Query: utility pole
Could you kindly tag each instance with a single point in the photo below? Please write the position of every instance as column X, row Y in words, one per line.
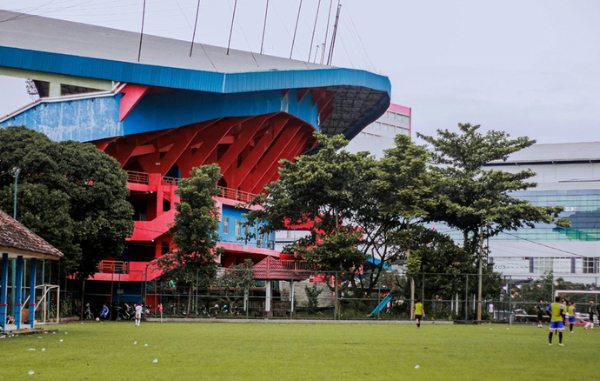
column 16, row 172
column 480, row 271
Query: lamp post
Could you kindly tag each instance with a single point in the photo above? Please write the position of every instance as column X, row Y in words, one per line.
column 16, row 172
column 13, row 284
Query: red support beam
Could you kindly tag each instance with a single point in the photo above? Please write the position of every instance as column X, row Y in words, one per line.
column 293, row 148
column 317, row 94
column 326, row 113
column 273, row 155
column 301, row 94
column 133, row 94
column 178, row 140
column 236, row 177
column 210, row 138
column 325, row 101
column 249, row 129
column 103, row 143
column 124, row 147
column 143, row 150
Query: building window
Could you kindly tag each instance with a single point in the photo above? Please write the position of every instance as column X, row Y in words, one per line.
column 543, row 265
column 238, row 227
column 588, row 265
column 225, row 225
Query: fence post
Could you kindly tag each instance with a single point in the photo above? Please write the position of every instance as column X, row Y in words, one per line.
column 292, row 296
column 112, row 280
column 423, row 289
column 510, row 299
column 466, row 298
column 335, row 298
column 378, row 295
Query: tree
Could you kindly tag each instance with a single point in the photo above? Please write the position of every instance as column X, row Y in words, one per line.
column 405, row 192
column 444, row 266
column 69, row 193
column 195, row 230
column 477, row 201
column 235, row 281
column 355, row 207
column 320, row 191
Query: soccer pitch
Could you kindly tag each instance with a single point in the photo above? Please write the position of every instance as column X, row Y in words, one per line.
column 223, row 351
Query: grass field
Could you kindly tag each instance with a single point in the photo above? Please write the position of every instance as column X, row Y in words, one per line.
column 196, row 351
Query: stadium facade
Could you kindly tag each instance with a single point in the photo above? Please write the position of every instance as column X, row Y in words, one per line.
column 567, row 175
column 167, row 112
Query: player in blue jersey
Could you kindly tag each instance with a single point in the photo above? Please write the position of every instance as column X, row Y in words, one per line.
column 556, row 312
column 104, row 313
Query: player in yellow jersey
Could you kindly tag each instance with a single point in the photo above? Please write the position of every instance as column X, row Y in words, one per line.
column 556, row 312
column 419, row 313
column 572, row 311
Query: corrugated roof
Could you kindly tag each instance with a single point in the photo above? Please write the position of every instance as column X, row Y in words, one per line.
column 55, row 46
column 13, row 235
column 548, row 153
column 58, row 36
column 271, row 269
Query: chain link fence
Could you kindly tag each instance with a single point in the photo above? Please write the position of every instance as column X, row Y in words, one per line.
column 312, row 295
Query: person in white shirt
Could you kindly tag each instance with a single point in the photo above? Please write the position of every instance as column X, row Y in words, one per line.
column 138, row 314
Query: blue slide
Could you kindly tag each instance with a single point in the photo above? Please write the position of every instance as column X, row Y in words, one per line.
column 381, row 305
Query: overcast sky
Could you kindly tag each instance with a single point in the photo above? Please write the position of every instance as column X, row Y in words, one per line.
column 527, row 67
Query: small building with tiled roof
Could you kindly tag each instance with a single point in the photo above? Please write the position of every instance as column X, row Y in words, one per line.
column 19, row 243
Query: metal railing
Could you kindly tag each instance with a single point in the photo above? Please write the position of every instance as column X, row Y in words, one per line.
column 297, row 265
column 229, row 193
column 113, row 267
column 137, row 177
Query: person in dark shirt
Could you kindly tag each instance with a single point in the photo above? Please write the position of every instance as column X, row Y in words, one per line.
column 540, row 313
column 591, row 311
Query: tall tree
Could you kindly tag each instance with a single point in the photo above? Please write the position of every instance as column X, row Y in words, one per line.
column 70, row 193
column 319, row 191
column 195, row 230
column 356, row 208
column 405, row 190
column 477, row 201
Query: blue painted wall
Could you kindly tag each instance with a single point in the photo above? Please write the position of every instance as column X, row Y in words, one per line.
column 81, row 120
column 98, row 118
column 182, row 107
column 236, row 214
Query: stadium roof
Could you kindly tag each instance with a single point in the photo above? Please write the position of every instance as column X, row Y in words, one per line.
column 55, row 46
column 554, row 154
column 51, row 35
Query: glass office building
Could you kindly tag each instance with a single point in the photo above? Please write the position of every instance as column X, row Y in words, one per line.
column 568, row 175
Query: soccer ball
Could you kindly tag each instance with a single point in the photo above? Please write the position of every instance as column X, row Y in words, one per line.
column 97, row 319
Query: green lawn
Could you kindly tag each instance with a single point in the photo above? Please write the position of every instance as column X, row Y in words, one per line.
column 196, row 351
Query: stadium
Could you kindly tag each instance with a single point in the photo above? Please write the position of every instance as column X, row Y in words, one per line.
column 167, row 112
column 160, row 111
